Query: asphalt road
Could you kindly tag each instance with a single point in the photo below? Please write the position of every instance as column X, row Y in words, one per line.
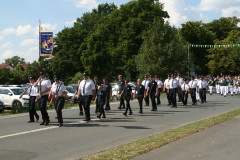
column 20, row 140
column 221, row 142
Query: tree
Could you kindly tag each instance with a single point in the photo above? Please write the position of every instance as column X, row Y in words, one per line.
column 14, row 61
column 196, row 33
column 225, row 60
column 162, row 52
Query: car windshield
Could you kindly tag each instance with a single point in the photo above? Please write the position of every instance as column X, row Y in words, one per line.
column 70, row 90
column 18, row 91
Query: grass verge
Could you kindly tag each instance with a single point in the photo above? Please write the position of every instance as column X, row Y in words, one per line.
column 144, row 145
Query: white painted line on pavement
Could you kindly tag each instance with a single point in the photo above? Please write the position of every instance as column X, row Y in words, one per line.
column 43, row 129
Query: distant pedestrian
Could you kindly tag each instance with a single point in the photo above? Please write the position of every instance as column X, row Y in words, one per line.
column 140, row 90
column 173, row 89
column 120, row 84
column 145, row 84
column 97, row 84
column 127, row 92
column 101, row 98
column 33, row 98
column 160, row 86
column 165, row 89
column 152, row 91
column 107, row 88
column 193, row 87
column 185, row 90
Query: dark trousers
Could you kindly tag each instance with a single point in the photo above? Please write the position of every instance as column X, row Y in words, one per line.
column 202, row 94
column 43, row 108
column 107, row 107
column 154, row 105
column 80, row 104
column 86, row 100
column 184, row 97
column 59, row 104
column 32, row 110
column 140, row 100
column 128, row 107
column 172, row 93
column 168, row 97
column 179, row 94
column 97, row 106
column 146, row 99
column 122, row 102
column 193, row 95
column 158, row 96
column 101, row 112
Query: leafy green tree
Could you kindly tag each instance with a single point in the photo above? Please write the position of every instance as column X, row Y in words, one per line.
column 221, row 27
column 197, row 33
column 6, row 77
column 162, row 51
column 78, row 76
column 14, row 61
column 225, row 59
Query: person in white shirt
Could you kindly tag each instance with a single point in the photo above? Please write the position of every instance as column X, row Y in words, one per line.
column 145, row 84
column 159, row 84
column 33, row 97
column 193, row 88
column 173, row 88
column 87, row 91
column 197, row 93
column 44, row 86
column 185, row 90
column 202, row 89
column 165, row 88
column 58, row 91
column 180, row 82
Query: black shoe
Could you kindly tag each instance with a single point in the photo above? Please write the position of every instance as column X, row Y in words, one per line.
column 30, row 121
column 130, row 113
column 86, row 120
column 103, row 116
column 152, row 110
column 119, row 108
column 47, row 122
column 125, row 114
column 80, row 113
column 59, row 124
column 42, row 123
column 224, row 96
column 98, row 117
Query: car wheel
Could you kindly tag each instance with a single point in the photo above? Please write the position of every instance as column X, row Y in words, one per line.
column 17, row 104
column 114, row 98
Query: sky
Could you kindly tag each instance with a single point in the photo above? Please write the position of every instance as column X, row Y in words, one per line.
column 19, row 19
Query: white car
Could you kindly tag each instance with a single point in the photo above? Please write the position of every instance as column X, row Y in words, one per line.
column 10, row 97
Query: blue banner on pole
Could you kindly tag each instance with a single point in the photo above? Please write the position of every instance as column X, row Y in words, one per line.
column 46, row 43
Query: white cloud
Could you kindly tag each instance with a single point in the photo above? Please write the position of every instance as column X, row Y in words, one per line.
column 70, row 23
column 9, row 31
column 24, row 30
column 7, row 45
column 88, row 4
column 228, row 8
column 7, row 54
column 28, row 29
column 29, row 42
column 1, row 38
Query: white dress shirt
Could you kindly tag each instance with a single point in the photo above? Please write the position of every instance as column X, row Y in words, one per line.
column 173, row 83
column 180, row 80
column 184, row 87
column 45, row 83
column 145, row 83
column 166, row 82
column 193, row 84
column 58, row 89
column 202, row 84
column 86, row 87
column 159, row 83
column 32, row 91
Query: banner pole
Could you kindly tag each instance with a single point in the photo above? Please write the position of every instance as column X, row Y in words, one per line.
column 39, row 59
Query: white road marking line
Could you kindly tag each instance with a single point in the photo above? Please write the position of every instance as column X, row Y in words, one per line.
column 43, row 129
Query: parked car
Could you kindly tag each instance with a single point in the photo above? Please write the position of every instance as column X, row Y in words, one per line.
column 2, row 106
column 10, row 97
column 70, row 93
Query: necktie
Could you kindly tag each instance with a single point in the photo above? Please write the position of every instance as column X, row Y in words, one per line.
column 202, row 85
column 184, row 88
column 84, row 87
column 30, row 91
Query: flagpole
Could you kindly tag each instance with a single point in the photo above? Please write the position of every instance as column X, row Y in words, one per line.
column 39, row 59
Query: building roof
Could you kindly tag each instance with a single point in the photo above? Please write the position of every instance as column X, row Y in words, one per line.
column 5, row 65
